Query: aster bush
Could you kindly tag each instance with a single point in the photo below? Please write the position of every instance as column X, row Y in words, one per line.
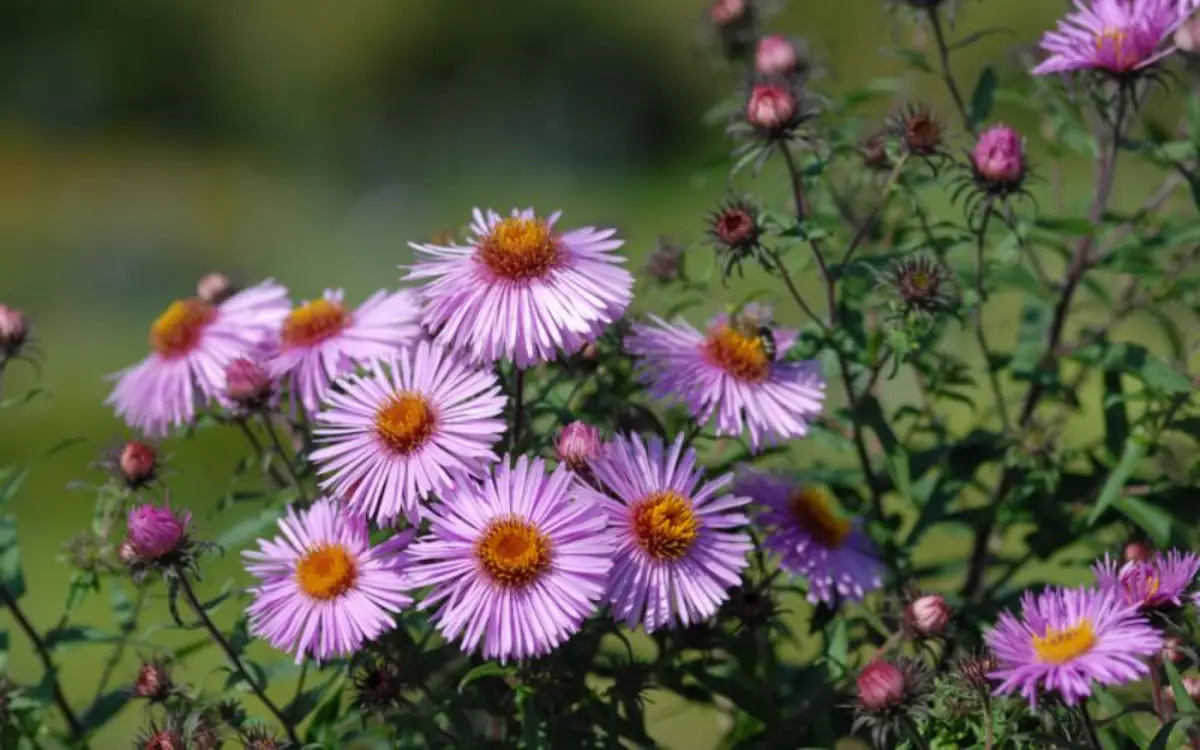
column 932, row 483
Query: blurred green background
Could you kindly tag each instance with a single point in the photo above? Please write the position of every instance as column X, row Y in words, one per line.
column 145, row 143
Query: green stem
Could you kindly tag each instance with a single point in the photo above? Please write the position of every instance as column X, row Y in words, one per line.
column 114, row 659
column 43, row 653
column 1089, row 726
column 518, row 408
column 980, row 334
column 288, row 463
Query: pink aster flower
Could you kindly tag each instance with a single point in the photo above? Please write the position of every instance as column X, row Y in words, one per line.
column 191, row 343
column 1114, row 36
column 1159, row 582
column 324, row 590
column 520, row 290
column 516, row 563
column 1066, row 639
column 812, row 539
column 680, row 542
column 155, row 532
column 734, row 372
column 321, row 340
column 401, row 432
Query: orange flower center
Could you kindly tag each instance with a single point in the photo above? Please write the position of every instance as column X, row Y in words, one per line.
column 519, row 249
column 1114, row 40
column 404, row 422
column 513, row 552
column 742, row 356
column 665, row 525
column 177, row 331
column 1061, row 646
column 326, row 572
column 313, row 322
column 813, row 511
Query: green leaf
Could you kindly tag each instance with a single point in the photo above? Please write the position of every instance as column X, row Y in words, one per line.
column 1162, row 740
column 914, row 58
column 1183, row 702
column 305, row 703
column 1136, row 360
column 23, row 398
column 1131, row 456
column 487, row 669
column 1032, row 330
column 248, row 529
column 895, row 457
column 77, row 634
column 1116, row 420
column 10, row 558
column 12, row 478
column 105, row 707
column 1150, row 518
column 3, row 651
column 984, row 95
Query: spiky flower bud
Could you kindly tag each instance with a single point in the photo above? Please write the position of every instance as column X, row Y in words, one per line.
column 920, row 130
column 260, row 738
column 247, row 385
column 165, row 736
column 577, row 444
column 137, row 464
column 153, row 681
column 921, row 283
column 975, row 669
column 880, row 686
column 772, row 109
column 928, row 615
column 14, row 332
column 998, row 159
column 890, row 694
column 736, row 231
column 157, row 532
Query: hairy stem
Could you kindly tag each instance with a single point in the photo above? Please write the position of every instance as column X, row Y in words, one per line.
column 234, row 660
column 861, row 234
column 518, row 407
column 818, row 254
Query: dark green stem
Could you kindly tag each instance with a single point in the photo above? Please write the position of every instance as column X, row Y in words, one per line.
column 980, row 334
column 288, row 462
column 1089, row 726
column 260, row 452
column 43, row 653
column 518, row 408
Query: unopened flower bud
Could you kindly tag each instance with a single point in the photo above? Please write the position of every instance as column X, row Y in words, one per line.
column 776, row 55
column 726, row 13
column 247, row 384
column 999, row 156
column 928, row 615
column 1187, row 36
column 1138, row 551
column 137, row 464
column 577, row 444
column 1172, row 649
column 215, row 288
column 156, row 532
column 153, row 681
column 1191, row 685
column 771, row 108
column 880, row 686
column 14, row 332
column 165, row 736
column 665, row 263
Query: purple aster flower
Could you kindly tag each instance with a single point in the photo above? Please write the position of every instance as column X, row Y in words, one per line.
column 517, row 562
column 155, row 531
column 812, row 540
column 1118, row 37
column 324, row 589
column 680, row 542
column 191, row 344
column 733, row 372
column 1158, row 582
column 1068, row 638
column 394, row 436
column 321, row 340
column 522, row 291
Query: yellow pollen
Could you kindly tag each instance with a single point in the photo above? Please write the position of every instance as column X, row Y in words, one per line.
column 1115, row 39
column 326, row 572
column 404, row 422
column 736, row 353
column 813, row 511
column 519, row 249
column 1061, row 646
column 313, row 322
column 177, row 331
column 665, row 525
column 513, row 552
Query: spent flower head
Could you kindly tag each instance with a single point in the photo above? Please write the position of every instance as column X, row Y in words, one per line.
column 919, row 284
column 736, row 231
column 665, row 263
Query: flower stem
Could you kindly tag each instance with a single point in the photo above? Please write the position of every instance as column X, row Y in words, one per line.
column 980, row 335
column 259, row 451
column 288, row 463
column 234, row 660
column 114, row 658
column 939, row 36
column 43, row 652
column 1089, row 726
column 518, row 408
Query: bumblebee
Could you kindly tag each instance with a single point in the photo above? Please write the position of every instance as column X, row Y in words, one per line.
column 753, row 329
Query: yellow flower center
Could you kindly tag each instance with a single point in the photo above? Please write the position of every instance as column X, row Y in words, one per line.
column 326, row 572
column 519, row 249
column 736, row 353
column 313, row 322
column 665, row 525
column 1061, row 646
column 813, row 510
column 177, row 331
column 1114, row 40
column 513, row 552
column 404, row 422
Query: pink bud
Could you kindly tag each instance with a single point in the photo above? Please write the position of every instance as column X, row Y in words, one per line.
column 1172, row 649
column 153, row 681
column 577, row 444
column 1187, row 36
column 138, row 464
column 14, row 332
column 928, row 615
column 155, row 532
column 247, row 384
column 770, row 107
column 726, row 13
column 880, row 685
column 1191, row 685
column 999, row 155
column 215, row 288
column 776, row 56
column 1138, row 551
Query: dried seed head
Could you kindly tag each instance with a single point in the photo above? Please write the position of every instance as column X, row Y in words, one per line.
column 920, row 130
column 378, row 684
column 974, row 671
column 665, row 264
column 922, row 284
column 261, row 738
column 736, row 232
